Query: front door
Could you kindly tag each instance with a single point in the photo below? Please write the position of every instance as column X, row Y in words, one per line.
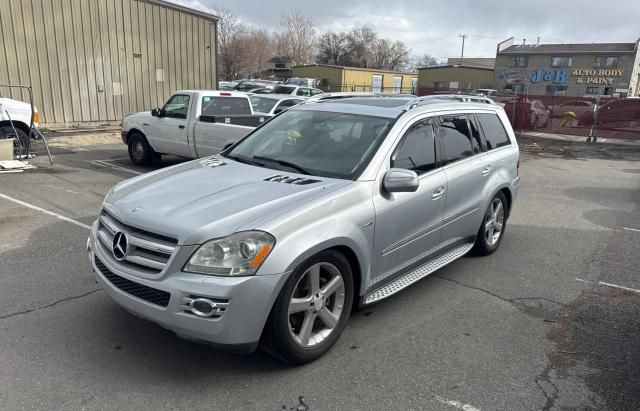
column 408, row 225
column 169, row 131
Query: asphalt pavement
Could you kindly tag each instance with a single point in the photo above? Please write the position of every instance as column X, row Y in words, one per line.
column 549, row 321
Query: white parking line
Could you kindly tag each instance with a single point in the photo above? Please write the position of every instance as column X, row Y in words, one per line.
column 456, row 404
column 631, row 229
column 51, row 213
column 106, row 163
column 633, row 290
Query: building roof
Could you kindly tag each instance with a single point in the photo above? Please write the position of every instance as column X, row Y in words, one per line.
column 480, row 62
column 464, row 65
column 183, row 9
column 580, row 48
column 357, row 68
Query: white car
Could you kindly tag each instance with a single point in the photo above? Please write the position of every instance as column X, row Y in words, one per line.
column 18, row 113
column 296, row 90
column 272, row 104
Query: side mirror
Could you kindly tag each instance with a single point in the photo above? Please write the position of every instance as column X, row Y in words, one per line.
column 156, row 112
column 400, row 180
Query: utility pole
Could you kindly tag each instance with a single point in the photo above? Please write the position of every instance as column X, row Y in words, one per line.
column 463, row 36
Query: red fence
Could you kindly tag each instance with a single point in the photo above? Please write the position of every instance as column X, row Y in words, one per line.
column 605, row 117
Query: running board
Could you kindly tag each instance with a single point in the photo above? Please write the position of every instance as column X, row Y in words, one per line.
column 418, row 274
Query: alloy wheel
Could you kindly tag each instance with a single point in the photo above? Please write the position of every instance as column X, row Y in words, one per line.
column 316, row 304
column 494, row 221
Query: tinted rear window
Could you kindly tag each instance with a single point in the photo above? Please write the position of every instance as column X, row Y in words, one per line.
column 225, row 106
column 494, row 132
column 283, row 89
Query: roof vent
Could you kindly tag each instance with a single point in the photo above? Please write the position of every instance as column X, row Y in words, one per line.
column 299, row 181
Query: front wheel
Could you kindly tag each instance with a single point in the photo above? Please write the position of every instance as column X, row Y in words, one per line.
column 493, row 225
column 312, row 309
column 140, row 152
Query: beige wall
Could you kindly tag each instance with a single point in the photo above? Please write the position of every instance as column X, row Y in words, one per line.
column 337, row 78
column 93, row 61
column 466, row 77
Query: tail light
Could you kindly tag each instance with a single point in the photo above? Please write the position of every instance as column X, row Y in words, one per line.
column 225, row 94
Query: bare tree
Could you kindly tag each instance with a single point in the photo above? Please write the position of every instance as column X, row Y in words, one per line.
column 258, row 45
column 333, row 48
column 295, row 37
column 360, row 42
column 428, row 60
column 231, row 32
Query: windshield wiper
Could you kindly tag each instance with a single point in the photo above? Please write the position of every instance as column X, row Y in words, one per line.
column 244, row 159
column 285, row 163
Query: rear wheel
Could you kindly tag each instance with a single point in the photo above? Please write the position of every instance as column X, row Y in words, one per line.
column 140, row 152
column 493, row 225
column 312, row 309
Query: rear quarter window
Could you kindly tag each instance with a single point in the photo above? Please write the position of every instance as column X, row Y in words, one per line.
column 225, row 106
column 494, row 133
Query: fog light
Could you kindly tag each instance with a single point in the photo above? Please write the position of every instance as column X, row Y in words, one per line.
column 203, row 307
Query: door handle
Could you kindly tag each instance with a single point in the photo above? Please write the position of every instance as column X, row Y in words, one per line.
column 486, row 170
column 181, row 127
column 438, row 192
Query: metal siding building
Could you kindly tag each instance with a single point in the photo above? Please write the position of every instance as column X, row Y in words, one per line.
column 341, row 78
column 455, row 77
column 95, row 61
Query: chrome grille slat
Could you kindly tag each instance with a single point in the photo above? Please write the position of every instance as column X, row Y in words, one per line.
column 148, row 251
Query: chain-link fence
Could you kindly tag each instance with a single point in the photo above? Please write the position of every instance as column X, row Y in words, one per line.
column 332, row 88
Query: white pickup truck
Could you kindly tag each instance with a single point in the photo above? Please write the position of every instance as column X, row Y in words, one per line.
column 192, row 124
column 16, row 115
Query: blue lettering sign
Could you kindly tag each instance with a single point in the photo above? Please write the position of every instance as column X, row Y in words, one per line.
column 537, row 76
column 561, row 77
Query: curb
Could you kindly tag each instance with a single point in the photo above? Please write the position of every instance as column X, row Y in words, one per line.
column 575, row 139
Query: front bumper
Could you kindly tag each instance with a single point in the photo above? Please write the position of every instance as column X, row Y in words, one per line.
column 123, row 135
column 238, row 328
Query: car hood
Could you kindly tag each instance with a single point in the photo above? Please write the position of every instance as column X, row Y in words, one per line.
column 212, row 197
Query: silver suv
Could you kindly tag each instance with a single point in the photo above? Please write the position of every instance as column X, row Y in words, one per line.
column 326, row 207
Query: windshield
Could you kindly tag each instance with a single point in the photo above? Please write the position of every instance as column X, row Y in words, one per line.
column 283, row 89
column 320, row 143
column 262, row 104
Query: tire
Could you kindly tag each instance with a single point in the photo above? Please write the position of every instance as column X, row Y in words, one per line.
column 285, row 338
column 140, row 152
column 19, row 144
column 486, row 241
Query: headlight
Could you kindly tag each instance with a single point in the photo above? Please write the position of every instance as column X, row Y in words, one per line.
column 236, row 255
column 107, row 196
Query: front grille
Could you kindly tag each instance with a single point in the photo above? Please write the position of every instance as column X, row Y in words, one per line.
column 143, row 292
column 148, row 252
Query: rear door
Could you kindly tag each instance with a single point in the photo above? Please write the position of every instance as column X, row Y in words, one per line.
column 467, row 169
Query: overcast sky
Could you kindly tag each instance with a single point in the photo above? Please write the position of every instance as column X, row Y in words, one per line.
column 433, row 26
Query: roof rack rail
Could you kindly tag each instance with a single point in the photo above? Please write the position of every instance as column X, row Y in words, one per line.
column 438, row 98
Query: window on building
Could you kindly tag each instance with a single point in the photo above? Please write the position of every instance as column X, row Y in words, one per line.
column 514, row 88
column 561, row 61
column 556, row 91
column 608, row 91
column 438, row 84
column 417, row 150
column 592, row 91
column 518, row 61
column 608, row 61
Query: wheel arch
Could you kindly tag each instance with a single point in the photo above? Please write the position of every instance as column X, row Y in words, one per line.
column 133, row 131
column 17, row 124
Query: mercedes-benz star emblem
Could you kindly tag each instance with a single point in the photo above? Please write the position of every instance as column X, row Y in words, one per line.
column 120, row 245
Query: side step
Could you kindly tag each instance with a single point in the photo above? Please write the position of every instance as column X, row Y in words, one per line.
column 418, row 274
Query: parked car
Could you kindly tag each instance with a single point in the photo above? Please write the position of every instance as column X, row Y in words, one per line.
column 302, row 81
column 261, row 91
column 228, row 85
column 192, row 124
column 17, row 114
column 251, row 85
column 296, row 90
column 625, row 111
column 487, row 92
column 325, row 207
column 272, row 104
column 573, row 106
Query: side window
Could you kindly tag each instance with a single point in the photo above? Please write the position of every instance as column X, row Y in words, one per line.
column 494, row 132
column 416, row 151
column 225, row 106
column 315, row 92
column 456, row 138
column 177, row 106
column 476, row 140
column 303, row 92
column 285, row 105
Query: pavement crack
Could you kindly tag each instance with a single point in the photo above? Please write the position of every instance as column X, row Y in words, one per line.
column 548, row 388
column 75, row 297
